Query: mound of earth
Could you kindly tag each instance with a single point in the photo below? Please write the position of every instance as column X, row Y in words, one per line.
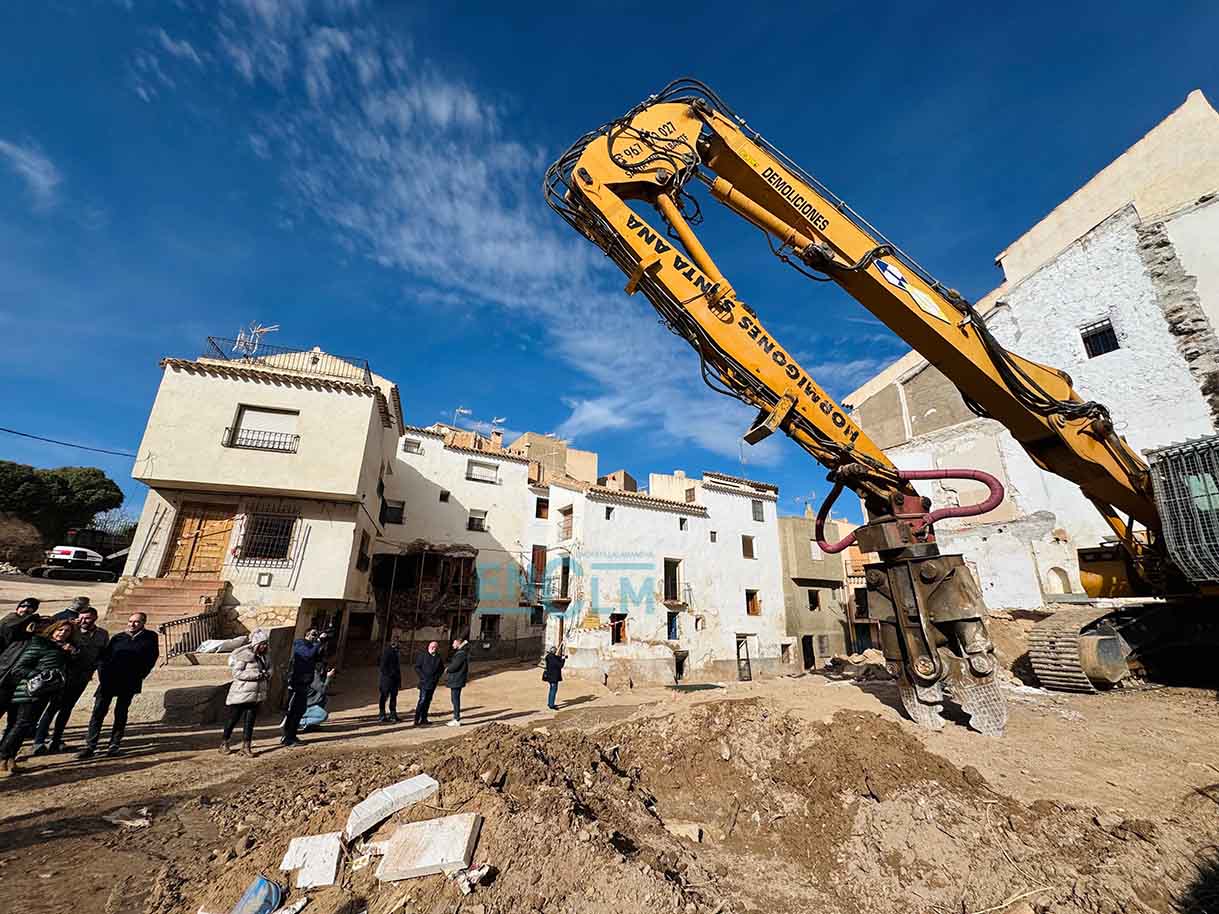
column 850, row 816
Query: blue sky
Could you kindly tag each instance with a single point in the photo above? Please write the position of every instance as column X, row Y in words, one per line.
column 368, row 176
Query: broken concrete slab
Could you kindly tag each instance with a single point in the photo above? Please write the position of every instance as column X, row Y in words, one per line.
column 691, row 830
column 316, row 857
column 381, row 804
column 442, row 845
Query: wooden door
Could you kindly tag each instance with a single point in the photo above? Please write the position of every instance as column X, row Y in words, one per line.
column 200, row 540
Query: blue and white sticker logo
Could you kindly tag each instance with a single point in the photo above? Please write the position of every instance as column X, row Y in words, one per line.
column 895, row 277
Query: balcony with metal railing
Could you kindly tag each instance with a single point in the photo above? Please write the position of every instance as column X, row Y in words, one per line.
column 258, row 440
column 287, row 360
column 681, row 595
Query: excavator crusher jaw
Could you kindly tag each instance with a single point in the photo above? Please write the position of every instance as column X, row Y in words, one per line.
column 934, row 637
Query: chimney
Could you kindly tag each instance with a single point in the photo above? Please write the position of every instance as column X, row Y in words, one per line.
column 497, row 440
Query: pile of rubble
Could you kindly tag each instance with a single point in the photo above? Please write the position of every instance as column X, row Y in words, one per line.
column 718, row 808
column 9, row 568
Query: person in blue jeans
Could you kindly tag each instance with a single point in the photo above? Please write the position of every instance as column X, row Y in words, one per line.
column 553, row 675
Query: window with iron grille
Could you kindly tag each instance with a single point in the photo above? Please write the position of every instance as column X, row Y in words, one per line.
column 477, row 520
column 759, row 513
column 267, row 539
column 412, row 446
column 1099, row 338
column 262, row 429
column 488, row 627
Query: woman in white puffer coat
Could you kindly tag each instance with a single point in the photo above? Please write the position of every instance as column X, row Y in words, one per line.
column 251, row 684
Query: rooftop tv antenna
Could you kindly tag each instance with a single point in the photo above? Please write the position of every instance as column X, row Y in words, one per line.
column 250, row 338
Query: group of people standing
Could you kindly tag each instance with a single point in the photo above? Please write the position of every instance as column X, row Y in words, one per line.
column 46, row 663
column 429, row 668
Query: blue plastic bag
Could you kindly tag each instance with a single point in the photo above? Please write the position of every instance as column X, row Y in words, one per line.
column 262, row 897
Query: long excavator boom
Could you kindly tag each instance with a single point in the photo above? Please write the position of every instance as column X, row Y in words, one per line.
column 629, row 187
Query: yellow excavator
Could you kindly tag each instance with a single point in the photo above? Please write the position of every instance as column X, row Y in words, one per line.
column 632, row 187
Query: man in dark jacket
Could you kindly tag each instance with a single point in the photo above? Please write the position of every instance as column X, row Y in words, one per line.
column 457, row 673
column 390, row 682
column 553, row 675
column 122, row 667
column 72, row 613
column 19, row 624
column 306, row 652
column 88, row 642
column 428, row 667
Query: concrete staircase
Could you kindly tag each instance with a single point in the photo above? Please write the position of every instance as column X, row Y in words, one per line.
column 165, row 599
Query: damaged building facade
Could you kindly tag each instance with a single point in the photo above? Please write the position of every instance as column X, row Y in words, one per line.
column 816, row 596
column 1119, row 287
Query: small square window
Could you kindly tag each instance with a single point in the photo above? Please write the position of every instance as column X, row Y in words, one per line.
column 609, row 512
column 747, row 547
column 477, row 521
column 392, row 511
column 541, row 508
column 444, row 494
column 690, row 494
column 814, row 600
column 682, row 523
column 412, row 446
column 1099, row 338
column 713, row 536
column 759, row 513
column 753, row 603
column 537, row 615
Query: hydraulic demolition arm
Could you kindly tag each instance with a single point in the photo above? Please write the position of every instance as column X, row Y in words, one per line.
column 930, row 606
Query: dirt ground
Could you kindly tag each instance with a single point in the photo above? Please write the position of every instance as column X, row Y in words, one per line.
column 811, row 794
column 56, row 595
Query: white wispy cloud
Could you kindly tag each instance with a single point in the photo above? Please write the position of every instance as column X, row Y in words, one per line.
column 41, row 177
column 416, row 169
column 181, row 48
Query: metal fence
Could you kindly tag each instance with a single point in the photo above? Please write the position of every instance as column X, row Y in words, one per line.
column 285, row 358
column 183, row 636
column 259, row 440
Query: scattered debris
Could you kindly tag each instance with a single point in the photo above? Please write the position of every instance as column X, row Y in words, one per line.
column 433, row 846
column 316, row 859
column 296, row 907
column 691, row 830
column 9, row 568
column 129, row 818
column 381, row 804
column 467, row 879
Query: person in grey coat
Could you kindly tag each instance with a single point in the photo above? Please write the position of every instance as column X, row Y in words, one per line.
column 251, row 684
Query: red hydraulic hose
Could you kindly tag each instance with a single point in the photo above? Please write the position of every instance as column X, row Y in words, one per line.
column 992, row 501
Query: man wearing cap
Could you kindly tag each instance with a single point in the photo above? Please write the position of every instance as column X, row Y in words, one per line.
column 19, row 624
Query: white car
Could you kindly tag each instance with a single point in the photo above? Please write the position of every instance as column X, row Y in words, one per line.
column 74, row 557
